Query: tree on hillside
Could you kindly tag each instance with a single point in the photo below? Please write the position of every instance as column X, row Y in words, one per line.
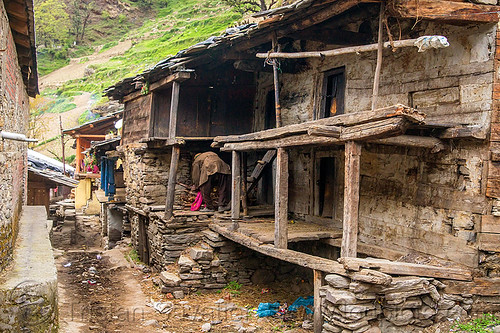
column 80, row 13
column 254, row 6
column 51, row 23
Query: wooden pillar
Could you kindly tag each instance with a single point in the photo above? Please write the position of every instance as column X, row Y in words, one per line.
column 235, row 185
column 174, row 159
column 174, row 106
column 351, row 199
column 244, row 185
column 318, row 316
column 281, row 200
column 380, row 49
column 78, row 156
column 276, row 48
column 172, row 180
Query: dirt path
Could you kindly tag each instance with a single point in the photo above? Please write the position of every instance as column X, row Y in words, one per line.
column 99, row 291
column 76, row 68
column 103, row 292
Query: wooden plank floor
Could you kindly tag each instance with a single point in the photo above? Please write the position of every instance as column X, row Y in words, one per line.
column 263, row 231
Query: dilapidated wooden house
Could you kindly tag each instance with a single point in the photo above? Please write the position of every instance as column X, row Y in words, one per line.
column 382, row 151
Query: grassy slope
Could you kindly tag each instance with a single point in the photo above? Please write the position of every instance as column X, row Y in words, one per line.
column 181, row 24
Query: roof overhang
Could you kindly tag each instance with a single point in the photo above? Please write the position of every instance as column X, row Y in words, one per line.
column 22, row 25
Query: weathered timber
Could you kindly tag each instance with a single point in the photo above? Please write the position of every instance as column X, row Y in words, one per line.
column 490, row 224
column 403, row 268
column 294, row 141
column 176, row 77
column 174, row 106
column 276, row 79
column 281, row 200
column 236, row 185
column 443, row 10
column 368, row 131
column 469, row 132
column 406, row 238
column 380, row 50
column 172, row 181
column 351, row 199
column 478, row 286
column 336, row 52
column 135, row 210
column 318, row 317
column 488, row 242
column 260, row 167
column 434, row 144
column 320, row 130
column 244, row 184
column 370, row 250
column 294, row 257
column 375, row 130
column 348, row 119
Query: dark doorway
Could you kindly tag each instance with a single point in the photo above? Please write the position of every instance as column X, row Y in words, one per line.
column 332, row 102
column 270, row 116
column 326, row 185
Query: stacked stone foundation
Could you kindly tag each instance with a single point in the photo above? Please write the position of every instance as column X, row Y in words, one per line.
column 382, row 303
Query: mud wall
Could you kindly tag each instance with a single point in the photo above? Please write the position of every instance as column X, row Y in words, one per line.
column 14, row 107
column 410, row 199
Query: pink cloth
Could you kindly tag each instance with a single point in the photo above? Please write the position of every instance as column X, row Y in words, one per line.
column 197, row 202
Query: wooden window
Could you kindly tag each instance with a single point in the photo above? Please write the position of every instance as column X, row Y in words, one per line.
column 333, row 92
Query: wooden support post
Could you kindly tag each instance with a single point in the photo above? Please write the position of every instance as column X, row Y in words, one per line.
column 351, row 199
column 235, row 185
column 172, row 180
column 174, row 106
column 318, row 316
column 174, row 159
column 244, row 185
column 62, row 144
column 78, row 156
column 276, row 48
column 380, row 49
column 281, row 200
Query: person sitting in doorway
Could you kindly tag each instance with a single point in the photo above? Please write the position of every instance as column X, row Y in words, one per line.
column 210, row 171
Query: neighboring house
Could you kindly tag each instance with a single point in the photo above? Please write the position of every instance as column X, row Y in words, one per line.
column 87, row 166
column 390, row 154
column 18, row 81
column 46, row 180
column 28, row 287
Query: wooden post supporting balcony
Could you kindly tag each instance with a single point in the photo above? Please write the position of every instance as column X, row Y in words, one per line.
column 281, row 200
column 351, row 199
column 235, row 185
column 174, row 159
column 172, row 180
column 318, row 316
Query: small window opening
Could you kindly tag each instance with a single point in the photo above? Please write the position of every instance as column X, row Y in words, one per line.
column 333, row 93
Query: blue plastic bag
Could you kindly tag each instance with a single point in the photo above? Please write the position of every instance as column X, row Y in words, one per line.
column 301, row 301
column 267, row 309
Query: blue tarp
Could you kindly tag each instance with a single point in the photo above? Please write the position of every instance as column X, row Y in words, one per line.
column 267, row 309
column 301, row 301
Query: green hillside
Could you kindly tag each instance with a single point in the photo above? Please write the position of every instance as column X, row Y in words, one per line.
column 152, row 30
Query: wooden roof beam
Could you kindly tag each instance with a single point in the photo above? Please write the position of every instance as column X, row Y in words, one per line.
column 17, row 10
column 444, row 10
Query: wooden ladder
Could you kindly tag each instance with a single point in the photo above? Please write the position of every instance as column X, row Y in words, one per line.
column 262, row 164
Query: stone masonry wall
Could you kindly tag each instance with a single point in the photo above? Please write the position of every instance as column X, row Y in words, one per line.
column 393, row 304
column 215, row 261
column 14, row 107
column 407, row 194
column 146, row 177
